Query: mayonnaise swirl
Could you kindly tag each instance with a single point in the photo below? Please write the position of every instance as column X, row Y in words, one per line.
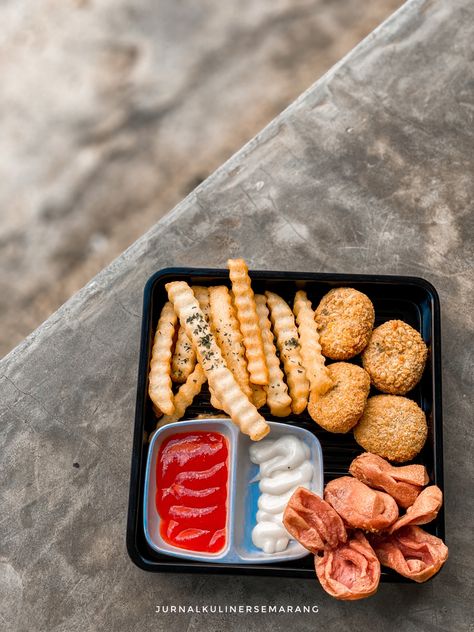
column 284, row 465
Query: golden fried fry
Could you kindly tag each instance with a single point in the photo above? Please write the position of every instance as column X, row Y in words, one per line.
column 233, row 400
column 313, row 360
column 286, row 334
column 278, row 399
column 259, row 395
column 159, row 383
column 184, row 358
column 184, row 397
column 248, row 319
column 212, row 416
column 225, row 327
column 215, row 403
column 202, row 295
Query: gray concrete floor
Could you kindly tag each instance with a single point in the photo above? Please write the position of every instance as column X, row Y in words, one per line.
column 135, row 103
column 369, row 171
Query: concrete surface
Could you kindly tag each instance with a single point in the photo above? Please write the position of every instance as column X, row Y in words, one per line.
column 135, row 102
column 369, row 171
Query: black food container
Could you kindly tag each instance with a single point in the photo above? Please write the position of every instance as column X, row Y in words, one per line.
column 410, row 299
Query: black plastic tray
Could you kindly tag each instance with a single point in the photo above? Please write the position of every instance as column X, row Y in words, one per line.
column 411, row 299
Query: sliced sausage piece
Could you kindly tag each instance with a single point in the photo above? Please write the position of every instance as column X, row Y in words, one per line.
column 312, row 521
column 351, row 570
column 412, row 552
column 403, row 483
column 360, row 506
column 424, row 509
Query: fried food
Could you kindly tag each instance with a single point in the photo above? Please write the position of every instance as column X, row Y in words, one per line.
column 234, row 402
column 345, row 318
column 313, row 360
column 278, row 399
column 185, row 395
column 341, row 407
column 312, row 521
column 202, row 295
column 404, row 483
column 259, row 395
column 225, row 327
column 393, row 427
column 350, row 571
column 184, row 358
column 395, row 357
column 424, row 509
column 156, row 410
column 212, row 416
column 360, row 506
column 159, row 381
column 412, row 552
column 348, row 568
column 288, row 344
column 248, row 319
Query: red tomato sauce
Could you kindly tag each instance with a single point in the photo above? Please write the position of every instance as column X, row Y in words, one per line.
column 191, row 490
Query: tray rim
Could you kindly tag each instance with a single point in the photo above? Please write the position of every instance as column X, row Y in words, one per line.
column 136, row 469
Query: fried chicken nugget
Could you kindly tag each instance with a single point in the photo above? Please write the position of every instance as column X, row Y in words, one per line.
column 341, row 407
column 395, row 357
column 345, row 318
column 248, row 319
column 313, row 360
column 159, row 381
column 234, row 402
column 278, row 399
column 184, row 358
column 288, row 344
column 393, row 427
column 185, row 395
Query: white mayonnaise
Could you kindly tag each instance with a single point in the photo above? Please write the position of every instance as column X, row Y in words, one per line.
column 284, row 465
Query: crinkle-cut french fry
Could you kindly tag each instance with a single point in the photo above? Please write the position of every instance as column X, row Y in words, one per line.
column 185, row 395
column 225, row 327
column 259, row 395
column 278, row 399
column 248, row 319
column 159, row 382
column 202, row 295
column 313, row 360
column 184, row 358
column 212, row 416
column 286, row 335
column 234, row 402
column 156, row 410
column 215, row 403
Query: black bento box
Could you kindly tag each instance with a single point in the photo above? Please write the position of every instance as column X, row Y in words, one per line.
column 410, row 299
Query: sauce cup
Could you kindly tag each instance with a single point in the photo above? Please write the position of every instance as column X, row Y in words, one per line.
column 242, row 492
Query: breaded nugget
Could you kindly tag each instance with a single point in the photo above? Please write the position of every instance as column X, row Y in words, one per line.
column 395, row 357
column 345, row 318
column 340, row 408
column 393, row 427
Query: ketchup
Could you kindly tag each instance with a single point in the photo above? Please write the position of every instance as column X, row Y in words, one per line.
column 191, row 490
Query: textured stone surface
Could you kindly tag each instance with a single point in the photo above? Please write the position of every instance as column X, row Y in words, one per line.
column 113, row 110
column 369, row 171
